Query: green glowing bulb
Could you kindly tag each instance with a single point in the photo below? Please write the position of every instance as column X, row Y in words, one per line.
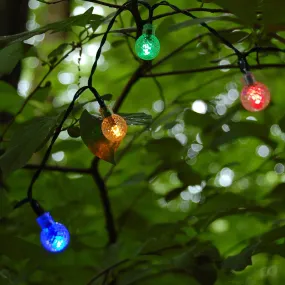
column 147, row 45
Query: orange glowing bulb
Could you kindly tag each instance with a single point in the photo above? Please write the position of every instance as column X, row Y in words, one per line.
column 255, row 96
column 114, row 128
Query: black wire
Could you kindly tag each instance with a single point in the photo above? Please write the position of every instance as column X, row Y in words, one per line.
column 242, row 62
column 148, row 6
column 98, row 97
column 48, row 152
column 36, row 207
column 21, row 203
column 264, row 49
column 160, row 89
column 213, row 31
column 99, row 51
column 244, row 67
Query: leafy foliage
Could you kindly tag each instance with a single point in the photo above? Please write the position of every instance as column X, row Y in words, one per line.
column 197, row 191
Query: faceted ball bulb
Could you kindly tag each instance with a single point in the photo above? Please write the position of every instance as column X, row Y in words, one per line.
column 147, row 47
column 54, row 236
column 255, row 97
column 114, row 128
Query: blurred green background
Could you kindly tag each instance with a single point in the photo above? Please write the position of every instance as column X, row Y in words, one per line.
column 197, row 196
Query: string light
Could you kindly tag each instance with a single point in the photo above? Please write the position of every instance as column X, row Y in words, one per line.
column 114, row 127
column 255, row 96
column 54, row 236
column 147, row 45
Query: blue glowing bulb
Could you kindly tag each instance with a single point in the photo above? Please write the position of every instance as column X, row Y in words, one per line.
column 54, row 236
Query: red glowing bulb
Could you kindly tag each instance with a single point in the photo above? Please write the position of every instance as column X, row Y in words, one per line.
column 255, row 96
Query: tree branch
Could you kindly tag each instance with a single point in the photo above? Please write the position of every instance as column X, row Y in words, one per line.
column 109, row 219
column 211, row 68
column 277, row 37
column 93, row 1
column 105, row 4
column 135, row 77
column 190, row 10
column 51, row 3
column 107, row 270
column 180, row 48
column 35, row 90
column 63, row 169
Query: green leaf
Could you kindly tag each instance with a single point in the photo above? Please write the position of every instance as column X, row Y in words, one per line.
column 240, row 130
column 186, row 174
column 198, row 21
column 278, row 193
column 57, row 52
column 25, row 141
column 92, row 136
column 67, row 146
column 133, row 276
column 21, row 249
column 268, row 243
column 9, row 98
column 10, row 56
column 241, row 261
column 90, row 127
column 5, row 206
column 138, row 119
column 65, row 25
column 281, row 123
column 118, row 43
column 42, row 93
column 73, row 132
column 273, row 15
column 167, row 149
column 195, row 119
column 200, row 263
column 164, row 27
column 232, row 36
column 243, row 9
column 220, row 203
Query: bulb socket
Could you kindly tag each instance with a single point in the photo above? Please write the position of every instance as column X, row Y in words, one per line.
column 249, row 79
column 106, row 112
column 37, row 208
column 149, row 29
column 45, row 220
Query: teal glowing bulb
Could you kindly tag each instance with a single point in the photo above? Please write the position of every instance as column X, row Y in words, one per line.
column 147, row 45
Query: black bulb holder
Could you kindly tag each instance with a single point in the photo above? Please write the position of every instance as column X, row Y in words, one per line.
column 37, row 208
column 249, row 78
column 243, row 65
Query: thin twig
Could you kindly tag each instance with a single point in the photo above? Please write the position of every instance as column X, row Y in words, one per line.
column 190, row 10
column 135, row 77
column 178, row 100
column 109, row 219
column 277, row 37
column 106, row 270
column 53, row 140
column 211, row 68
column 51, row 3
column 180, row 48
column 63, row 169
column 93, row 1
column 35, row 90
column 105, row 4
